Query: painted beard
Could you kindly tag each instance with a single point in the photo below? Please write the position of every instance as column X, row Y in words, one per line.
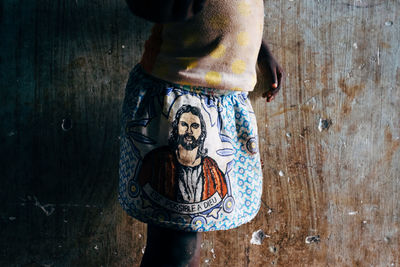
column 188, row 141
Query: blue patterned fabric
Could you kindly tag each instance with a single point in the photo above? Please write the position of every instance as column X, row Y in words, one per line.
column 189, row 156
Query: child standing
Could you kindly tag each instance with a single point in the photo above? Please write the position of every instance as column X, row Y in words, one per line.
column 189, row 145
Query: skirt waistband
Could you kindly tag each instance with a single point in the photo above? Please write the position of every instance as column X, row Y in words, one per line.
column 139, row 72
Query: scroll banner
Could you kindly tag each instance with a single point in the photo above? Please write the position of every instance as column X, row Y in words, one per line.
column 182, row 208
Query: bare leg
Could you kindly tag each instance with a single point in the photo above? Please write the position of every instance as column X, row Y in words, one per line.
column 172, row 248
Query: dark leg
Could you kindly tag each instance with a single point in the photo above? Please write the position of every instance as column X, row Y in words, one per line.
column 172, row 248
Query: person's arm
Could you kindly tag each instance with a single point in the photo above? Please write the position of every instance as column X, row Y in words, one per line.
column 270, row 67
column 163, row 11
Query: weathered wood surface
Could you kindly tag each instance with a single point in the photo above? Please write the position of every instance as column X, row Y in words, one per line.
column 329, row 142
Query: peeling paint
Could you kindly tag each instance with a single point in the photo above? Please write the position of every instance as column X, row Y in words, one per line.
column 213, row 253
column 312, row 239
column 35, row 201
column 66, row 124
column 378, row 56
column 48, row 209
column 324, row 124
column 258, row 237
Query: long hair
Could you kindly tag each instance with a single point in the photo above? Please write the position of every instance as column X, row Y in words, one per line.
column 173, row 138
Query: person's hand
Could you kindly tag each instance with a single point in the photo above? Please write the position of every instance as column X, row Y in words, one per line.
column 165, row 11
column 270, row 69
column 274, row 74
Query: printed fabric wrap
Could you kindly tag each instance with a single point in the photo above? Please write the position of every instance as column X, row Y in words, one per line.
column 189, row 156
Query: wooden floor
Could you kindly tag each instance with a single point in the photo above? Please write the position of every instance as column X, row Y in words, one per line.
column 329, row 142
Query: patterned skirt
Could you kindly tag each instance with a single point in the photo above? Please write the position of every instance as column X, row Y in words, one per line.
column 189, row 156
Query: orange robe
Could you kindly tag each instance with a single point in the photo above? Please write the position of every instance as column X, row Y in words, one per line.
column 159, row 170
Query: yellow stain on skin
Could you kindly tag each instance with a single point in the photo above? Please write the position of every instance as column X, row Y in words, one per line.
column 244, row 8
column 213, row 78
column 243, row 38
column 219, row 22
column 238, row 66
column 218, row 52
column 191, row 65
column 190, row 39
column 237, row 89
column 188, row 62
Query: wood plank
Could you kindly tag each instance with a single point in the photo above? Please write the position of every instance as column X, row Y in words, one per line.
column 329, row 142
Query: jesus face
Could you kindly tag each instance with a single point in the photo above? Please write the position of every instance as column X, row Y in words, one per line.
column 189, row 130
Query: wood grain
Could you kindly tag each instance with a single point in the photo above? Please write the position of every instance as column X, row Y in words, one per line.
column 329, row 142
